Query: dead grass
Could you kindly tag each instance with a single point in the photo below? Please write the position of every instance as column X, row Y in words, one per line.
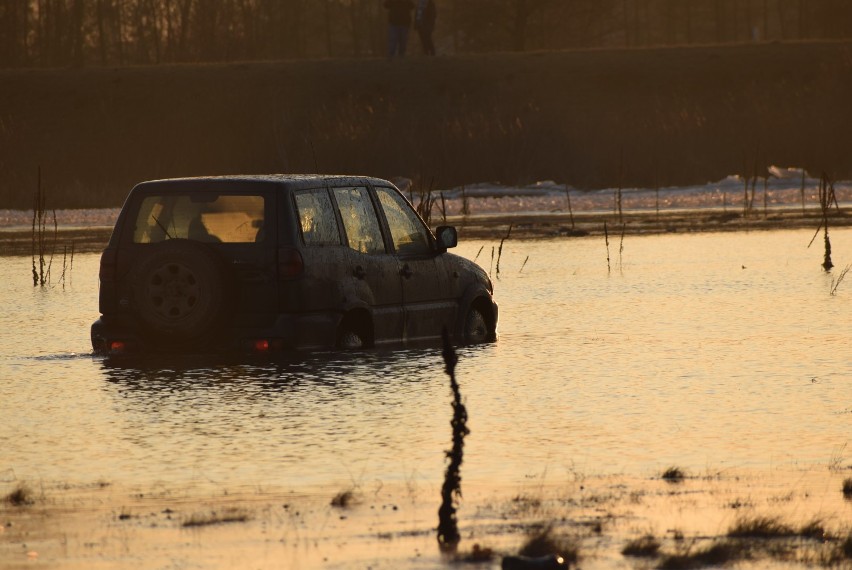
column 643, row 547
column 847, row 488
column 477, row 555
column 20, row 496
column 765, row 538
column 344, row 499
column 814, row 530
column 716, row 554
column 760, row 527
column 227, row 515
column 674, row 475
column 542, row 540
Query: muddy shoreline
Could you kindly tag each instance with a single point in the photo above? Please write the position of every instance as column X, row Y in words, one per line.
column 103, row 524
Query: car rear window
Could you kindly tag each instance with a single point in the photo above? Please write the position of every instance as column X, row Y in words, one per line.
column 212, row 218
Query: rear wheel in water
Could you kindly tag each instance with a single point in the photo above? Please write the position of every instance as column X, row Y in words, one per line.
column 349, row 340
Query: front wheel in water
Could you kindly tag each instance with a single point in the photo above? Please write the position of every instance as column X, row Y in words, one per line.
column 475, row 327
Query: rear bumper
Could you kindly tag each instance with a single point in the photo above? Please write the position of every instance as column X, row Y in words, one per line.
column 117, row 334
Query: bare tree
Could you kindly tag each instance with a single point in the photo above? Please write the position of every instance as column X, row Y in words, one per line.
column 118, row 32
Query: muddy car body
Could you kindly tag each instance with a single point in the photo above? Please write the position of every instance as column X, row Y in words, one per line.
column 279, row 262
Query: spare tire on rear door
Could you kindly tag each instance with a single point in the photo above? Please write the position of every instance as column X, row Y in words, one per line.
column 180, row 290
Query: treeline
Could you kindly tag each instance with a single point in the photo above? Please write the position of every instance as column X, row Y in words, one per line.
column 49, row 33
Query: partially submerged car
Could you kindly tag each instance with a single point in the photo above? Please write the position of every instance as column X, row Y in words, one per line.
column 279, row 262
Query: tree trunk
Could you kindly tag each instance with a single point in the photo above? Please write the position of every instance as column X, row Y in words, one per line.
column 519, row 25
column 354, row 24
column 782, row 27
column 185, row 7
column 327, row 13
column 99, row 15
column 77, row 17
column 802, row 30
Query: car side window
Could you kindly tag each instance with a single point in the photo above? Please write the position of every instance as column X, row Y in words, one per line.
column 316, row 218
column 359, row 219
column 410, row 236
column 206, row 217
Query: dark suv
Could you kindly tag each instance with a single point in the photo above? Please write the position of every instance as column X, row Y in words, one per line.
column 277, row 262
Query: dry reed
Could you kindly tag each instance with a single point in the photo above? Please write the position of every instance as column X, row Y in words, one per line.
column 448, row 531
column 500, row 249
column 41, row 270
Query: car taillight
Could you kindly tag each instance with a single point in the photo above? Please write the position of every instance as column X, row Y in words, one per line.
column 108, row 264
column 290, row 263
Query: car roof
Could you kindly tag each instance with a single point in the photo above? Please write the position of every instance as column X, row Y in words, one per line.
column 283, row 181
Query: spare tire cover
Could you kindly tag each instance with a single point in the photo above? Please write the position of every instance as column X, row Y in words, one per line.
column 179, row 291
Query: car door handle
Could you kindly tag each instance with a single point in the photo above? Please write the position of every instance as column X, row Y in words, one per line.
column 406, row 271
column 359, row 272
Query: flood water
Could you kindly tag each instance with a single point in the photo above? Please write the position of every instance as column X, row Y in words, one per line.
column 700, row 351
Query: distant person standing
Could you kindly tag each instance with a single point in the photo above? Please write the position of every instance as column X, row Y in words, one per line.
column 399, row 22
column 424, row 23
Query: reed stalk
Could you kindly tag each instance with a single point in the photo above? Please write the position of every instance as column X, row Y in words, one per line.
column 835, row 283
column 448, row 530
column 478, row 252
column 427, row 200
column 465, row 209
column 67, row 263
column 606, row 240
column 41, row 270
column 657, row 201
column 657, row 189
column 753, row 190
column 618, row 210
column 620, row 186
column 827, row 198
column 500, row 249
column 570, row 209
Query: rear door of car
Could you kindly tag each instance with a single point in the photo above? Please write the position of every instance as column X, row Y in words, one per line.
column 370, row 262
column 310, row 226
column 247, row 229
column 233, row 219
column 426, row 294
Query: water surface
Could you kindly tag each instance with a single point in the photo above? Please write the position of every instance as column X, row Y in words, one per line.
column 702, row 351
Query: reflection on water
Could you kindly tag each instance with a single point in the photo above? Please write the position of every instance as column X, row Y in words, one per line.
column 691, row 350
column 283, row 418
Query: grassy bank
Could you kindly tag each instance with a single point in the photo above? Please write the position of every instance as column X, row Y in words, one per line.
column 589, row 118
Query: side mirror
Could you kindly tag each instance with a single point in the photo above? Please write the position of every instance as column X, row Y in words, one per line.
column 446, row 237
